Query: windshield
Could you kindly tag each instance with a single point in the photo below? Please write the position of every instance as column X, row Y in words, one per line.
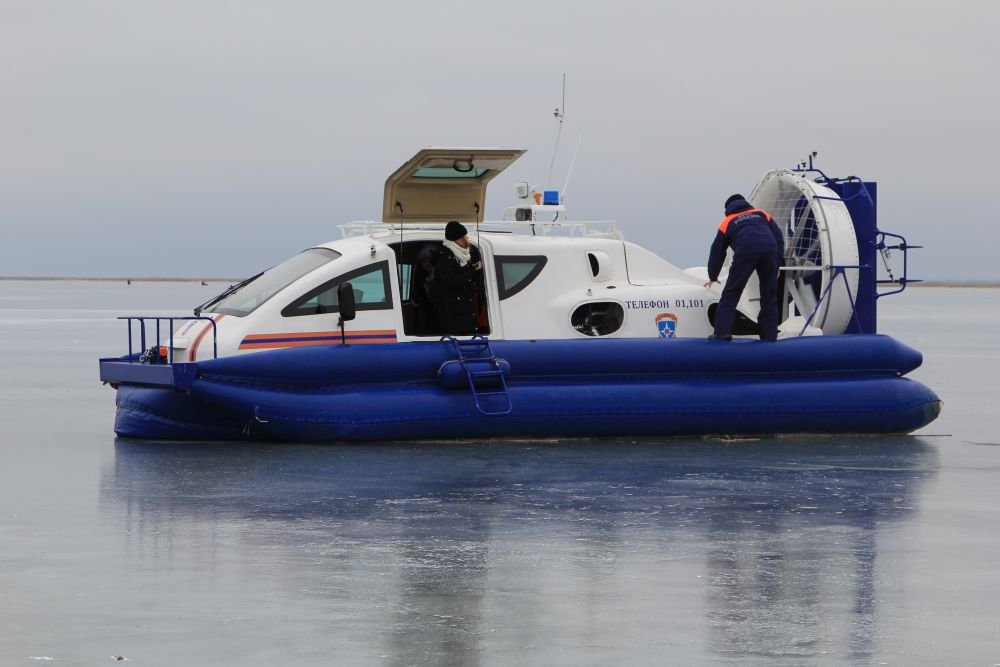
column 247, row 298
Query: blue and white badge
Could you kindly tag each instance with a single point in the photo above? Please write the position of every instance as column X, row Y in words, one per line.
column 666, row 324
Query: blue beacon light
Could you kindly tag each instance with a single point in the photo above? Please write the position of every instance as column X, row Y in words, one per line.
column 550, row 198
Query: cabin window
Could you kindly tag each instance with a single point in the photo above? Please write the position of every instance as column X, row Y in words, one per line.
column 598, row 318
column 254, row 292
column 515, row 272
column 371, row 292
column 405, row 277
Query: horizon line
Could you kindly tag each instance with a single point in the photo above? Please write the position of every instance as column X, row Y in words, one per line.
column 189, row 279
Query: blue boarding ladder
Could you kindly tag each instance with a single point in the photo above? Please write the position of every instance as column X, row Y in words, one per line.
column 476, row 351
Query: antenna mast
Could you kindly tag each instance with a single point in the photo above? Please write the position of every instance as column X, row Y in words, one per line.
column 572, row 163
column 559, row 114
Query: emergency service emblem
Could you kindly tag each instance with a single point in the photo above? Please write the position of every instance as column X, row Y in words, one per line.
column 666, row 324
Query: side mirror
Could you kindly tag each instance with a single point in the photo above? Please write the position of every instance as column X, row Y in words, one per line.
column 345, row 300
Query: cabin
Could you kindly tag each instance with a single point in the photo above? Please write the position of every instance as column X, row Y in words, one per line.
column 544, row 276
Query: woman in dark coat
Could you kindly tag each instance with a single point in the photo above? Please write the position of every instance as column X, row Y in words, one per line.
column 458, row 271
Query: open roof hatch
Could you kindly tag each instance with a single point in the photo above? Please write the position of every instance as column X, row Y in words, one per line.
column 442, row 184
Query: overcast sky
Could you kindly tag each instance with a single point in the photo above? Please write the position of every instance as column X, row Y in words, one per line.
column 205, row 138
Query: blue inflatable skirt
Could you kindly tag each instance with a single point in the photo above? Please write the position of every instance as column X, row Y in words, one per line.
column 563, row 388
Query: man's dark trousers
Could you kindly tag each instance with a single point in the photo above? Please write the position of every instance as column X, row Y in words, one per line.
column 744, row 265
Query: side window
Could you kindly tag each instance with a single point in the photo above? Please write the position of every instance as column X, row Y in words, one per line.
column 371, row 292
column 515, row 272
column 405, row 273
column 598, row 318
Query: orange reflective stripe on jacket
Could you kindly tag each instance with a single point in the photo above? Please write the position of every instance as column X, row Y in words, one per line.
column 724, row 225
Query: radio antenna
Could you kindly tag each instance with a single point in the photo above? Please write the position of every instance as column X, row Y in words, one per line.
column 476, row 205
column 572, row 163
column 559, row 114
column 399, row 257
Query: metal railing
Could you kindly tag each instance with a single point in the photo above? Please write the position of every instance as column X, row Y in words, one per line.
column 142, row 319
column 589, row 228
column 884, row 249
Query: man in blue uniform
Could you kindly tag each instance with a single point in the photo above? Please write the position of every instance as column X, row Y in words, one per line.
column 758, row 246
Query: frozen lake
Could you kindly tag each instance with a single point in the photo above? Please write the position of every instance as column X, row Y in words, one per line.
column 765, row 551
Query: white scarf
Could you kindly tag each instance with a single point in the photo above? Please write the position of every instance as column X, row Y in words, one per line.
column 463, row 255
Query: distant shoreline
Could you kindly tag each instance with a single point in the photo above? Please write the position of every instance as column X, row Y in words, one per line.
column 160, row 279
column 141, row 279
column 954, row 283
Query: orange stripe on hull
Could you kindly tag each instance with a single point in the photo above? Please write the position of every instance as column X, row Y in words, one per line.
column 270, row 341
column 192, row 355
column 307, row 343
column 387, row 333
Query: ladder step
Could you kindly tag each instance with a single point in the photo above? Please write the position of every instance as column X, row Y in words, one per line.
column 482, row 353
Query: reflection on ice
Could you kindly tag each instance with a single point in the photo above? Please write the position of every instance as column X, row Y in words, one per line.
column 458, row 553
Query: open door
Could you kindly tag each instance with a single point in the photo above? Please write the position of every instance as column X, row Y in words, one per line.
column 416, row 264
column 442, row 184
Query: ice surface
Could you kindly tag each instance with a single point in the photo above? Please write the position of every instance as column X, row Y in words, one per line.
column 782, row 551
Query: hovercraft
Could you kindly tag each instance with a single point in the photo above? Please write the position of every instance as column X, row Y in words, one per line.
column 580, row 333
